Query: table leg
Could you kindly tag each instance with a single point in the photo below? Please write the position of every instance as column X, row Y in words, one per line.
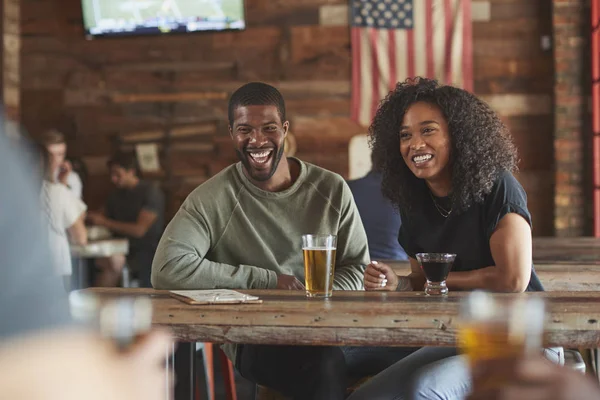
column 185, row 371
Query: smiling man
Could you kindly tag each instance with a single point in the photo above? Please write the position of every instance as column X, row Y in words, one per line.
column 242, row 230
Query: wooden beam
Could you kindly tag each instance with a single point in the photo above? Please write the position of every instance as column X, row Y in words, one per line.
column 121, row 98
column 175, row 132
column 172, row 66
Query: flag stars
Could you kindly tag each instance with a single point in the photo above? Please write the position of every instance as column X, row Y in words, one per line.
column 358, row 19
column 407, row 6
column 407, row 22
column 394, row 22
column 394, row 7
column 388, row 14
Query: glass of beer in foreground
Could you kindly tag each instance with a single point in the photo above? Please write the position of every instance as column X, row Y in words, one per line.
column 436, row 267
column 319, row 264
column 495, row 327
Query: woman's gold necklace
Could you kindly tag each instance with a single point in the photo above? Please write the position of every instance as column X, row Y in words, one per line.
column 443, row 212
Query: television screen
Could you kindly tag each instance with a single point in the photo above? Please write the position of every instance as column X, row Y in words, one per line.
column 135, row 17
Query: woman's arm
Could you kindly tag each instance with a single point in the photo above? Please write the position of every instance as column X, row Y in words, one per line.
column 510, row 245
column 78, row 232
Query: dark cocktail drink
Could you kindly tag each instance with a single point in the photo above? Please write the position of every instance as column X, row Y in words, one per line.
column 436, row 267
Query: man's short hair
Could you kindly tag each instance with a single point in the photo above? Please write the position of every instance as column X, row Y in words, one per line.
column 256, row 94
column 124, row 160
column 52, row 136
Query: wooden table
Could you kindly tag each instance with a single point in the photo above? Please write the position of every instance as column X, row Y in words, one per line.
column 577, row 249
column 348, row 318
column 97, row 249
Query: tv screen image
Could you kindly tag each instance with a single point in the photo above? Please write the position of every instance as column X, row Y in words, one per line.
column 135, row 17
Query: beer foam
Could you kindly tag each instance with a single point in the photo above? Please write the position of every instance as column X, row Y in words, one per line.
column 318, row 248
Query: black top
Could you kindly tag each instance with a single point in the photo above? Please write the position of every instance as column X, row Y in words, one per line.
column 124, row 205
column 465, row 234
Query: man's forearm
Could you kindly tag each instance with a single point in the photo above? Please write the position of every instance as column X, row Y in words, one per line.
column 125, row 228
column 349, row 277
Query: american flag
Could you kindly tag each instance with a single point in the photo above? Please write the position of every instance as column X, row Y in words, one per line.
column 396, row 39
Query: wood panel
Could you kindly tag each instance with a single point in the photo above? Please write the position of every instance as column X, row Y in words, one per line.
column 101, row 89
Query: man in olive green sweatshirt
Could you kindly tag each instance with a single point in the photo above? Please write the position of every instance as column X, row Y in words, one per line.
column 242, row 229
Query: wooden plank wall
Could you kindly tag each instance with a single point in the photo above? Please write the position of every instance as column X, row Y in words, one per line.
column 117, row 92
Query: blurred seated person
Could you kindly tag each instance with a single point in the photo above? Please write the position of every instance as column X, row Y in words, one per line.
column 379, row 217
column 532, row 378
column 43, row 356
column 64, row 216
column 134, row 210
column 60, row 169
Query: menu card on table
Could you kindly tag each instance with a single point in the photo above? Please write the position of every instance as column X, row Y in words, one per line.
column 214, row 296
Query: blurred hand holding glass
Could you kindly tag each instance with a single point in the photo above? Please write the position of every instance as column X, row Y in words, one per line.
column 319, row 264
column 495, row 327
column 436, row 267
column 122, row 319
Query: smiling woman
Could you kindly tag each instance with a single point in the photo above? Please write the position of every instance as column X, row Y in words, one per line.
column 447, row 162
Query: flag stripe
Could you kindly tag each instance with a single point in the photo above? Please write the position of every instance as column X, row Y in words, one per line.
column 356, row 86
column 448, row 25
column 429, row 35
column 439, row 40
column 394, row 67
column 467, row 38
column 457, row 48
column 365, row 115
column 373, row 38
column 384, row 59
column 418, row 40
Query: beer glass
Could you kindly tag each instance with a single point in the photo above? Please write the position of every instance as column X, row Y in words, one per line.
column 319, row 264
column 436, row 267
column 493, row 327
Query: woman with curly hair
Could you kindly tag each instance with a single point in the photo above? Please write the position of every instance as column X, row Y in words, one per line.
column 447, row 162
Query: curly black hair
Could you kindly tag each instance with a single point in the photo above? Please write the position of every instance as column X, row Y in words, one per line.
column 481, row 144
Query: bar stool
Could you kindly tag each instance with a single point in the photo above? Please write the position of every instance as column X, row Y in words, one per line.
column 226, row 369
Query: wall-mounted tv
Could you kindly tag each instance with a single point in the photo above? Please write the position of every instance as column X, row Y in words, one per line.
column 156, row 17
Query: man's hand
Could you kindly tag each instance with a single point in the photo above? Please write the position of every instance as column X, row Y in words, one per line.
column 63, row 172
column 96, row 218
column 380, row 276
column 289, row 282
column 533, row 378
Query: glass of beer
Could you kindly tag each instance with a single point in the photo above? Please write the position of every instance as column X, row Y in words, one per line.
column 436, row 267
column 494, row 327
column 319, row 264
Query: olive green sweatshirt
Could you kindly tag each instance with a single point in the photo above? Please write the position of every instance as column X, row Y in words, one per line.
column 230, row 234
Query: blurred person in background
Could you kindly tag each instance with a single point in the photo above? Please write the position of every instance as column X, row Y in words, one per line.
column 60, row 169
column 64, row 217
column 379, row 217
column 42, row 354
column 134, row 210
column 532, row 378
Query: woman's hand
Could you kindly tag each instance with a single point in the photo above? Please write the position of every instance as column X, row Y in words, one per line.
column 380, row 276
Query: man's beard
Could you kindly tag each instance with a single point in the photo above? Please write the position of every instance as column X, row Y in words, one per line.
column 243, row 156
